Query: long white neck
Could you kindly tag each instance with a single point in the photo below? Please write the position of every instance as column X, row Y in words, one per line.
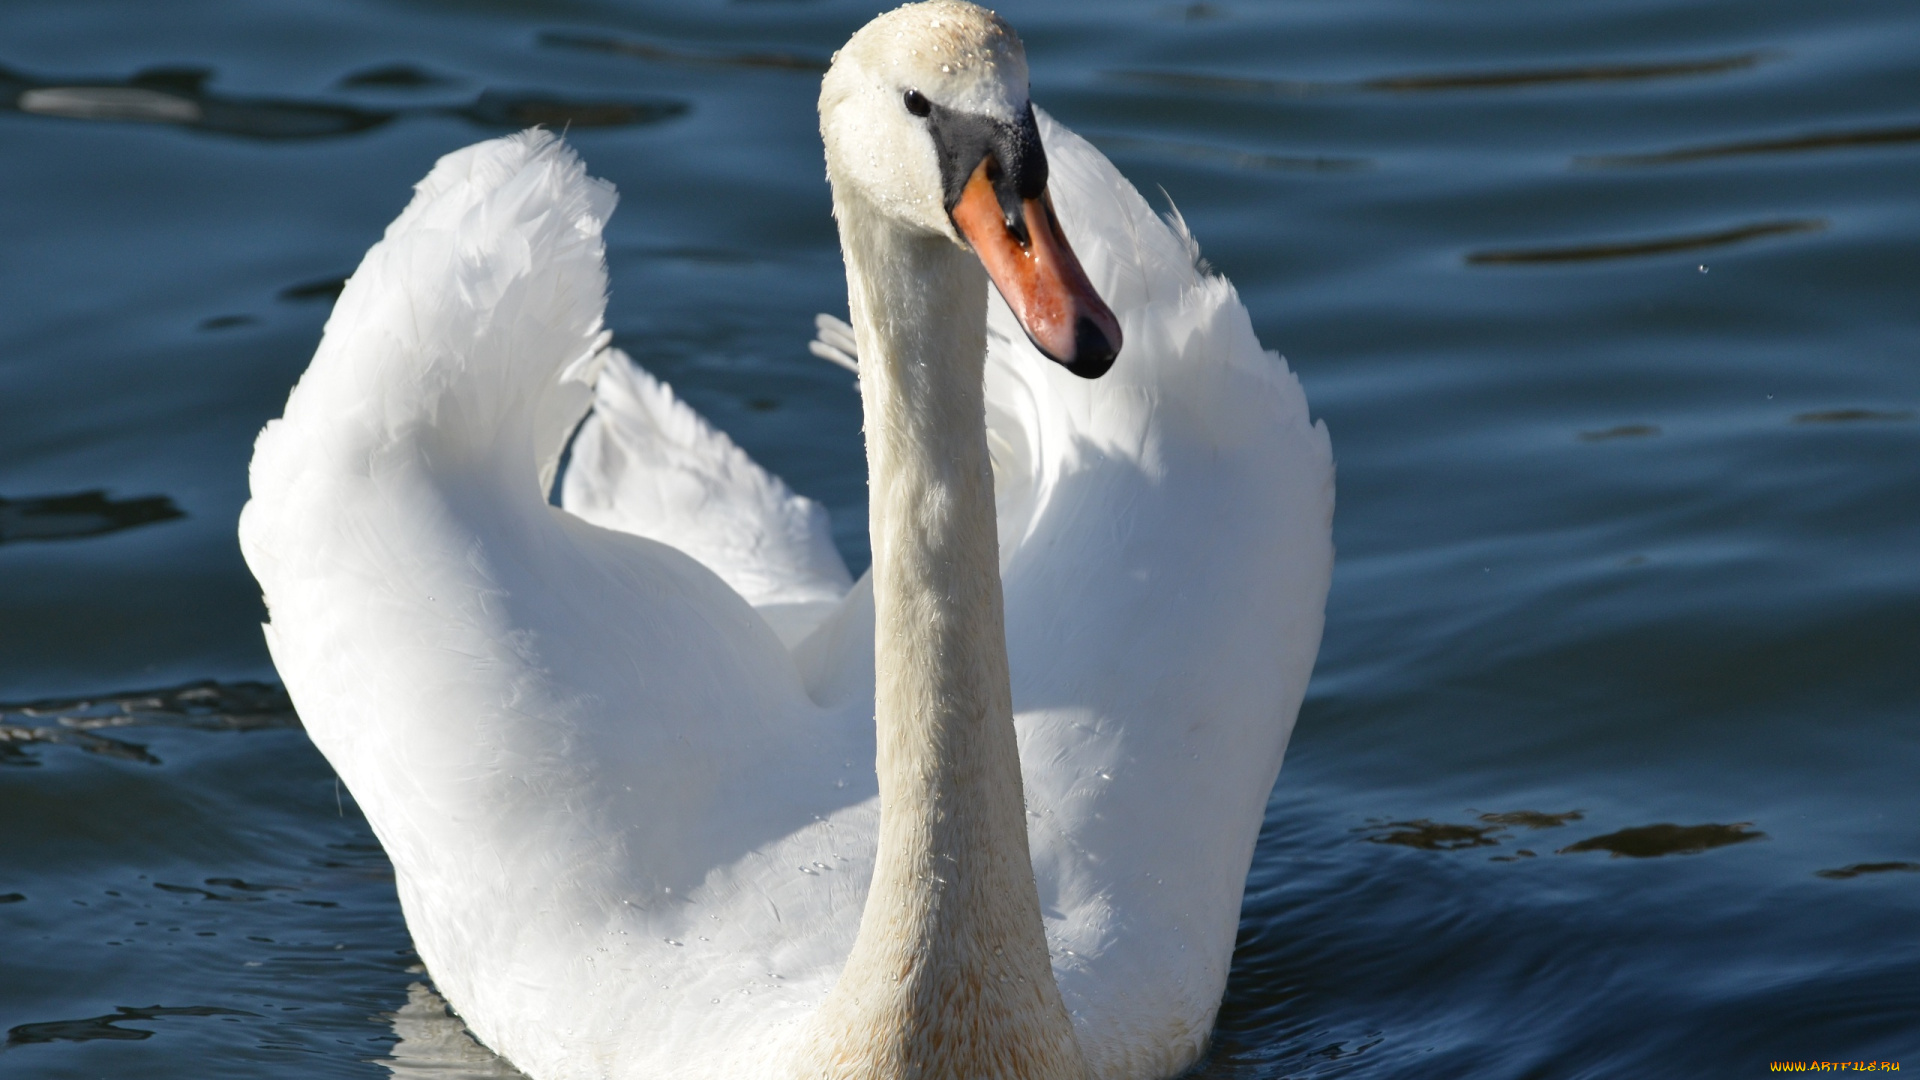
column 949, row 976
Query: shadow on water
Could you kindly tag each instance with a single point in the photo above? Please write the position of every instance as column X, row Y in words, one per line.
column 179, row 96
column 1820, row 140
column 106, row 1027
column 1626, row 249
column 77, row 516
column 1445, row 81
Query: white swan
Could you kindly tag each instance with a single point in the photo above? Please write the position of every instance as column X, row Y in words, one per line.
column 625, row 771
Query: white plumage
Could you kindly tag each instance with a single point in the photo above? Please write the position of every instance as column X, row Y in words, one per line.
column 632, row 827
column 647, row 464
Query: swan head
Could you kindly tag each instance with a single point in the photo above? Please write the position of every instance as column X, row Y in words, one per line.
column 926, row 119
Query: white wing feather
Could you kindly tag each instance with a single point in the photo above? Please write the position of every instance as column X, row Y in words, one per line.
column 598, row 775
column 645, row 463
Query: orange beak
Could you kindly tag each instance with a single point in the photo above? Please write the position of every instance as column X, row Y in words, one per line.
column 1035, row 270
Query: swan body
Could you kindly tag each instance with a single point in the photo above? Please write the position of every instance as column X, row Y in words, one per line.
column 666, row 793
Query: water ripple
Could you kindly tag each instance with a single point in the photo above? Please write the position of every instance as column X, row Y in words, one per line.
column 645, row 50
column 108, row 1026
column 179, row 97
column 1447, row 81
column 1790, row 144
column 1659, row 245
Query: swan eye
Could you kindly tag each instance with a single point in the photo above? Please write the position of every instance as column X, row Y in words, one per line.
column 917, row 103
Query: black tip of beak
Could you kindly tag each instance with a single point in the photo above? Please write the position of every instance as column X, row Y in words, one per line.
column 1092, row 353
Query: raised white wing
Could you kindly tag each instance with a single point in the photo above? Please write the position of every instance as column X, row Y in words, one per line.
column 625, row 837
column 645, row 463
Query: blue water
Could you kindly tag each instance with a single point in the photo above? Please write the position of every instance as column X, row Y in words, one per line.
column 1613, row 309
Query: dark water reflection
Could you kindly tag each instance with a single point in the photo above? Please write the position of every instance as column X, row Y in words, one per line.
column 1658, row 245
column 1823, row 140
column 1620, row 431
column 394, row 77
column 1653, row 841
column 643, row 50
column 107, row 1027
column 1607, row 767
column 87, row 513
column 1219, row 155
column 180, row 96
column 1857, row 869
column 1460, row 80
